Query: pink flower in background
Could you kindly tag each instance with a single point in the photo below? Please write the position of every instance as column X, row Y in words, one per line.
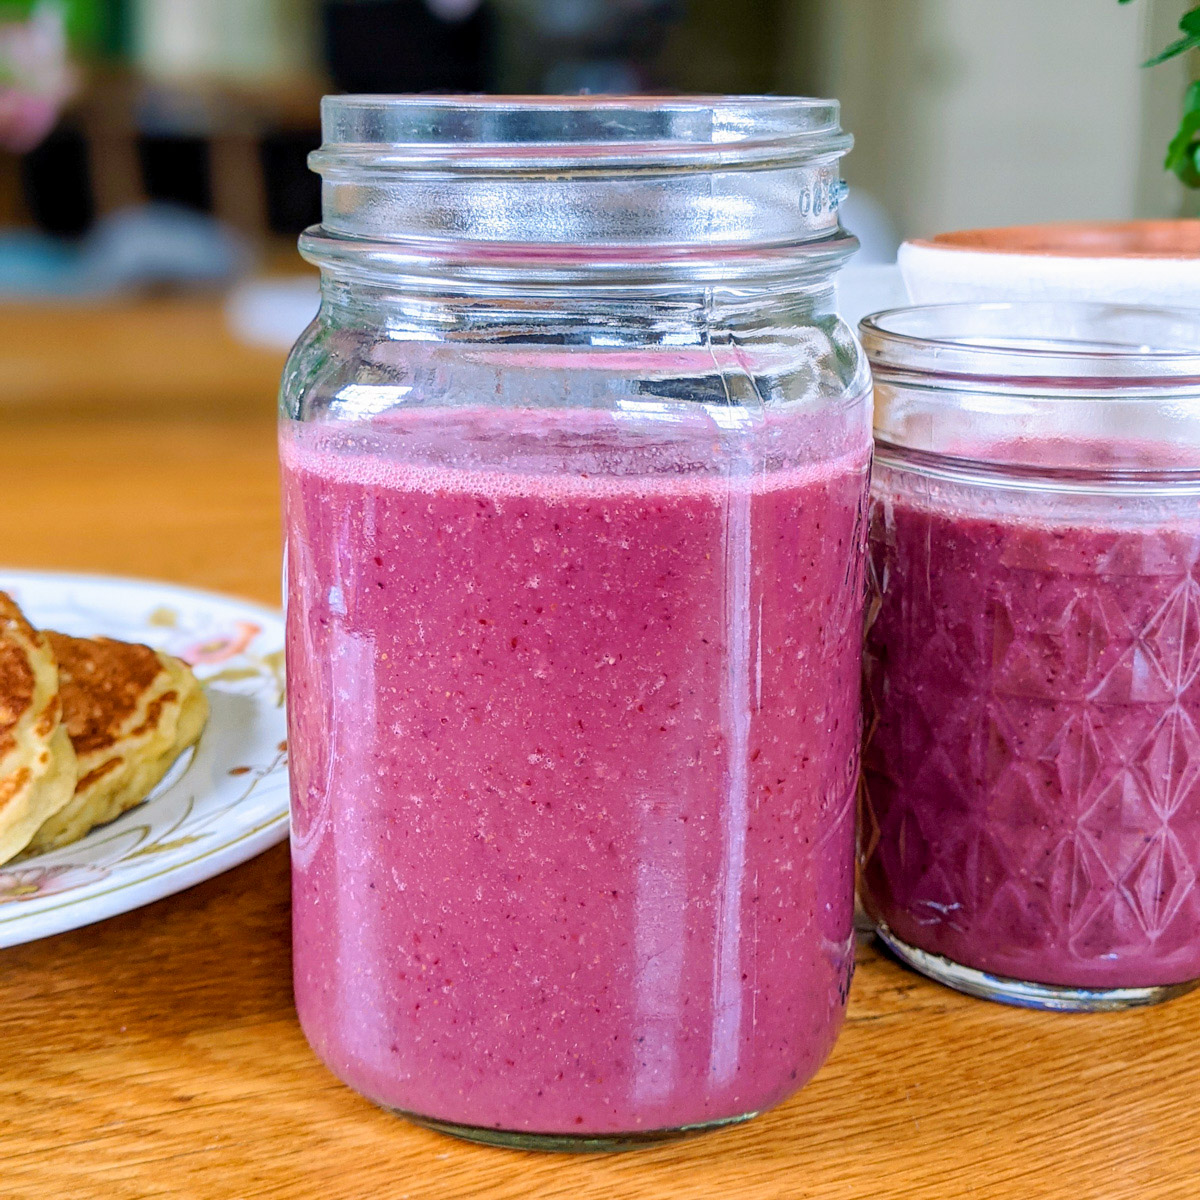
column 223, row 646
column 36, row 78
column 26, row 883
column 25, row 119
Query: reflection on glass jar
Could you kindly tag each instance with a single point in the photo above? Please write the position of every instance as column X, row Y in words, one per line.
column 575, row 465
column 1031, row 825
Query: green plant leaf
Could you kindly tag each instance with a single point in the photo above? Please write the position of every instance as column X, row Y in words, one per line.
column 1183, row 154
column 1182, row 46
column 1189, row 25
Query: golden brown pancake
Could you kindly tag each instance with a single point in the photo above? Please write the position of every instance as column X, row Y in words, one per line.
column 130, row 712
column 37, row 764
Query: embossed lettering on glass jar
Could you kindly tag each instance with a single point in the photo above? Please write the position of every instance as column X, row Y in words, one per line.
column 1031, row 820
column 575, row 468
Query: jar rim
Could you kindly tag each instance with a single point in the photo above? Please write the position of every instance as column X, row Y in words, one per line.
column 583, row 135
column 1037, row 346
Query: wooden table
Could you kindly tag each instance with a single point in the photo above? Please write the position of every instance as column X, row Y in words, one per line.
column 157, row 1054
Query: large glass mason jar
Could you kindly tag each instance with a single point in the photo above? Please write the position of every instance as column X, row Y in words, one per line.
column 1031, row 831
column 575, row 465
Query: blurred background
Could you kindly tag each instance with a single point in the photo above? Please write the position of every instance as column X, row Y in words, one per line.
column 152, row 152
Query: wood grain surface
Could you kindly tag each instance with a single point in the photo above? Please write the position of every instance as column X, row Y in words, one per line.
column 157, row 1055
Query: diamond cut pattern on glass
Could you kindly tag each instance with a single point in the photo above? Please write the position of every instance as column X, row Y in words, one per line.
column 1173, row 637
column 1168, row 764
column 1159, row 881
column 1033, row 791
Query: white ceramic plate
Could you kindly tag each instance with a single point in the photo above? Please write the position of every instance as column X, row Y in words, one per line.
column 220, row 804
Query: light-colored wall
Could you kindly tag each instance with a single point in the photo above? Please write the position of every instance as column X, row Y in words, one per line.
column 250, row 40
column 988, row 112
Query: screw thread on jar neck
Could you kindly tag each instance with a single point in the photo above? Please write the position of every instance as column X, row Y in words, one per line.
column 605, row 194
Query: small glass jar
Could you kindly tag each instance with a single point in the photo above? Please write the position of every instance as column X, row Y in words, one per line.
column 1031, row 821
column 575, row 464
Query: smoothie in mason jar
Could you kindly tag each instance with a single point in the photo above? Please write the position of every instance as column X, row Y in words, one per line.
column 575, row 467
column 1034, row 765
column 1031, row 819
column 574, row 758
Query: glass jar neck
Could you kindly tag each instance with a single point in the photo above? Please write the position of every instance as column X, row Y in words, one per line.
column 1069, row 395
column 688, row 312
column 560, row 176
column 507, row 269
column 533, row 202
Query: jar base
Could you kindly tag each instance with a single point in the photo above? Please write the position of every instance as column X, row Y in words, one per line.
column 1047, row 996
column 567, row 1143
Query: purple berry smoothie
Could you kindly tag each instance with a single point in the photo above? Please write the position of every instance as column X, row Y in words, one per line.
column 1033, row 755
column 573, row 759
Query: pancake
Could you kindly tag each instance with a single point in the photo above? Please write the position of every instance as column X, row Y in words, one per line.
column 130, row 712
column 37, row 763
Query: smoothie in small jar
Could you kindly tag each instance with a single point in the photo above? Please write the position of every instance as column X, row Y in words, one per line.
column 576, row 531
column 1031, row 825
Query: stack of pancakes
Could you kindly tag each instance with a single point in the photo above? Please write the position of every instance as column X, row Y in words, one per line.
column 88, row 726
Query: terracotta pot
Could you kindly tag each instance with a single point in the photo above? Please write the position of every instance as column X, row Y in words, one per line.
column 1121, row 262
